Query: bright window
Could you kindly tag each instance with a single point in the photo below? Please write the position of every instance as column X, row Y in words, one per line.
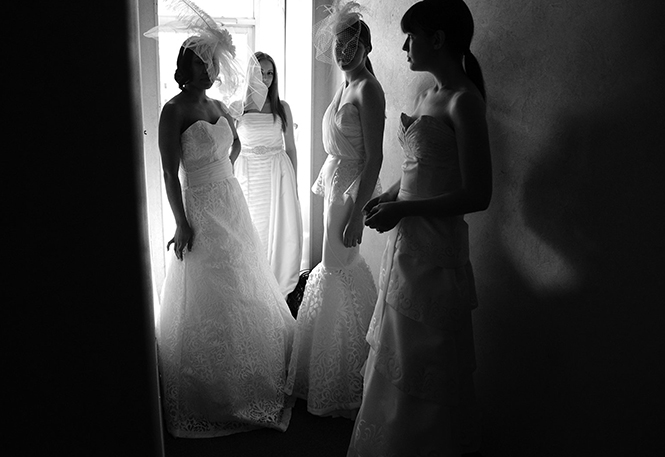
column 217, row 8
column 261, row 26
column 236, row 16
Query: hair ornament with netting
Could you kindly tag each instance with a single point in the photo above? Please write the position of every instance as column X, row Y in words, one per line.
column 211, row 42
column 336, row 37
column 256, row 91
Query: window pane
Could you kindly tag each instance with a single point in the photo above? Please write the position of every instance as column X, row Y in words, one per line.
column 169, row 46
column 216, row 8
column 169, row 42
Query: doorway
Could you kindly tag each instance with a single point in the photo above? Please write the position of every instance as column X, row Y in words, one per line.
column 260, row 25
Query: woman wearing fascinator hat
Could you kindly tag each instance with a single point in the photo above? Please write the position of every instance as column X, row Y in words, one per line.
column 224, row 330
column 266, row 171
column 329, row 347
column 419, row 394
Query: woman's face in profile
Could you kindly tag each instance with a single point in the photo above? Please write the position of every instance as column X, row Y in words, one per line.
column 417, row 47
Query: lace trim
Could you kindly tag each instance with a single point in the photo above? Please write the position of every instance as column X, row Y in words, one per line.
column 330, row 349
column 224, row 331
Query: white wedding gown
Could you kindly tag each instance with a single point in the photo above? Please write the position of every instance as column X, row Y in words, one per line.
column 418, row 396
column 268, row 181
column 225, row 331
column 329, row 348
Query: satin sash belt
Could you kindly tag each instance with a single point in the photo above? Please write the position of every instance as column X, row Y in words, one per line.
column 261, row 152
column 214, row 172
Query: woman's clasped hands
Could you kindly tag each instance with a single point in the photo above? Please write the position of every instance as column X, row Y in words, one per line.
column 382, row 213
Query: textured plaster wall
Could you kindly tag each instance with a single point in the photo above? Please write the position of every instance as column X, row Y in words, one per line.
column 569, row 256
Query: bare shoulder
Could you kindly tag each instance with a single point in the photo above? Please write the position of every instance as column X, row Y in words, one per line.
column 423, row 94
column 372, row 86
column 223, row 111
column 466, row 100
column 422, row 102
column 173, row 112
column 371, row 92
column 466, row 104
column 220, row 106
column 173, row 106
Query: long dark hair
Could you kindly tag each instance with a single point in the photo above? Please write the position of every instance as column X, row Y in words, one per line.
column 273, row 91
column 454, row 18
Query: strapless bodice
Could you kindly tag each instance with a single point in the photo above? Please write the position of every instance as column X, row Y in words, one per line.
column 431, row 168
column 260, row 133
column 431, row 165
column 205, row 152
column 345, row 140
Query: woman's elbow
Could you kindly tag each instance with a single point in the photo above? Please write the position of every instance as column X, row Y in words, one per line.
column 480, row 201
column 170, row 176
column 477, row 197
column 483, row 204
column 374, row 162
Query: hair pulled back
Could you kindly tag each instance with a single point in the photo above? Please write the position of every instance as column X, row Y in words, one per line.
column 183, row 72
column 454, row 18
column 273, row 91
column 365, row 37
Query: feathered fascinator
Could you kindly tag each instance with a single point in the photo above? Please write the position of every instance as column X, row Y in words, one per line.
column 213, row 44
column 336, row 36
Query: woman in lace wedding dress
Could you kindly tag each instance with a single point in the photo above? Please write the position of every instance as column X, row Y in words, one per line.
column 329, row 347
column 225, row 331
column 266, row 171
column 418, row 392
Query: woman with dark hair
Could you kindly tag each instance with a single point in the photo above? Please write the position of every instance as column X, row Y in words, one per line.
column 266, row 171
column 418, row 381
column 329, row 347
column 224, row 331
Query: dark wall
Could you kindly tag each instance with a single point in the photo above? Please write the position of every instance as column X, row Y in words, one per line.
column 570, row 255
column 77, row 319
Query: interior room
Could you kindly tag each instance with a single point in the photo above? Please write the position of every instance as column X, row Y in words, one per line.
column 568, row 258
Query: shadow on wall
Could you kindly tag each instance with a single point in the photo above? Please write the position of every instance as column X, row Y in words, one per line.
column 570, row 337
column 596, row 196
column 570, row 255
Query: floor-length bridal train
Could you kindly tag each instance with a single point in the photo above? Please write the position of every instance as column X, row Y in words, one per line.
column 224, row 331
column 329, row 346
column 418, row 387
column 268, row 181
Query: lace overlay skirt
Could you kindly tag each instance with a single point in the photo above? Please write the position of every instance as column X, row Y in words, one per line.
column 330, row 348
column 224, row 331
column 418, row 389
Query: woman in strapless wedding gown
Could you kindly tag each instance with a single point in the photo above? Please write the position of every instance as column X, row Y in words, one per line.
column 418, row 396
column 329, row 347
column 224, row 331
column 266, row 171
